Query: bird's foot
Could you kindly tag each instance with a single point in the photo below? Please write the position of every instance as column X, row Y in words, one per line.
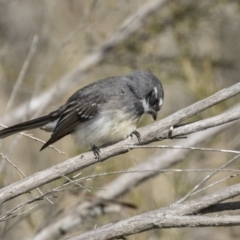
column 137, row 134
column 96, row 152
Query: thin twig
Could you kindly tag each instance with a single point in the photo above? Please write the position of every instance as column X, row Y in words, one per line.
column 75, row 183
column 37, row 140
column 14, row 165
column 60, row 188
column 155, row 171
column 22, row 72
column 187, row 148
column 18, row 214
column 22, row 173
column 5, row 216
column 50, row 61
column 205, row 179
column 215, row 183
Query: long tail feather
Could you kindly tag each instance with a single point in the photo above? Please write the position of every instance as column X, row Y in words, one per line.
column 35, row 123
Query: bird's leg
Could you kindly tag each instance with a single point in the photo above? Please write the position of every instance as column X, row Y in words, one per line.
column 96, row 152
column 137, row 134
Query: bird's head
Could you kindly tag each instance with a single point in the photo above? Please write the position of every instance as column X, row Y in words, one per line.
column 148, row 91
column 153, row 100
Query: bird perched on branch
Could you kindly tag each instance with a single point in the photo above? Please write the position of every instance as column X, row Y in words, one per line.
column 101, row 113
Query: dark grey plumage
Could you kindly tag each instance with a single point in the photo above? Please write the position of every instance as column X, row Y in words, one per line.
column 102, row 112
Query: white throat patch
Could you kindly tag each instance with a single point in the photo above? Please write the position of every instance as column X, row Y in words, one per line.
column 145, row 104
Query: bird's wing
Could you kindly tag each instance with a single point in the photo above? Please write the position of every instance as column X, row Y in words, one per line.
column 79, row 108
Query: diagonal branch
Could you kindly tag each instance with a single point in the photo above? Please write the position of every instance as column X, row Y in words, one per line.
column 154, row 220
column 174, row 216
column 153, row 132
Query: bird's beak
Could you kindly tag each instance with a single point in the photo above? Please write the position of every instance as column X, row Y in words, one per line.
column 154, row 114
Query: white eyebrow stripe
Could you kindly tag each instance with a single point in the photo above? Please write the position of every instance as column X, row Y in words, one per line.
column 160, row 102
column 155, row 91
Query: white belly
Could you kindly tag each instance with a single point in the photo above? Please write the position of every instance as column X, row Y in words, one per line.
column 108, row 128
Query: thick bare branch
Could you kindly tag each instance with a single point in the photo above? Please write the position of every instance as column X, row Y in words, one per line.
column 154, row 220
column 153, row 132
column 169, row 217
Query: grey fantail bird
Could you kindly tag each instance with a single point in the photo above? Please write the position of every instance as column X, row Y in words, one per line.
column 101, row 113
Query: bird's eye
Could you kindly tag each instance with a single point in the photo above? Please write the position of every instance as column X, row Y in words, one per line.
column 152, row 99
column 155, row 102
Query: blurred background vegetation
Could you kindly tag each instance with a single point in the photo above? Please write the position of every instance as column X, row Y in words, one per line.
column 192, row 46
